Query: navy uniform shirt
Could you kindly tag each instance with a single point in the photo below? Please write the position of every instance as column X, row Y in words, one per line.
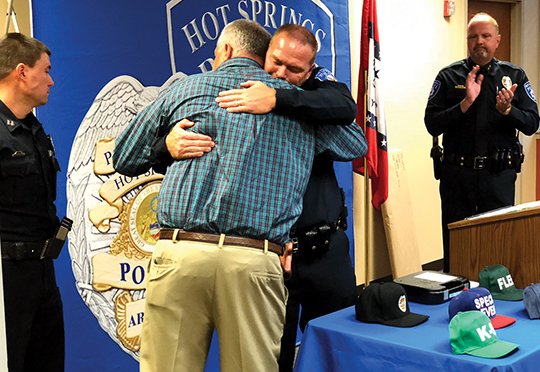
column 28, row 170
column 481, row 128
column 322, row 101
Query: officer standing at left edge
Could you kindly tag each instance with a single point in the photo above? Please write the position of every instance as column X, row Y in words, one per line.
column 28, row 167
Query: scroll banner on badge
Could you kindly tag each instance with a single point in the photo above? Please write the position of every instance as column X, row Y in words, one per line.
column 110, row 60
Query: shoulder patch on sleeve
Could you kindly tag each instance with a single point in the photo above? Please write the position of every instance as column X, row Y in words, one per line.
column 434, row 89
column 325, row 74
column 529, row 90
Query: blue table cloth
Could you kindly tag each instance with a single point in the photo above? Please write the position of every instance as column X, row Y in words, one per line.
column 338, row 342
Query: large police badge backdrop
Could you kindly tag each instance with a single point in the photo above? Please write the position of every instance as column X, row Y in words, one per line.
column 110, row 59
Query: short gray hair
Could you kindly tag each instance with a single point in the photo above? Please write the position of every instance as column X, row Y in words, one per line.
column 246, row 36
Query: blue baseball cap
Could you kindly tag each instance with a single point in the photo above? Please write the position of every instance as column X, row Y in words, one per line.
column 478, row 299
column 531, row 300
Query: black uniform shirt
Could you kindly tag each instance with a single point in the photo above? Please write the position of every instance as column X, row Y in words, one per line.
column 323, row 101
column 481, row 128
column 27, row 179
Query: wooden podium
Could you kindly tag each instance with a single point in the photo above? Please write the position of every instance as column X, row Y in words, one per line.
column 509, row 236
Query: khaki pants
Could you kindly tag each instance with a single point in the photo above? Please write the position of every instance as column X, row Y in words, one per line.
column 194, row 287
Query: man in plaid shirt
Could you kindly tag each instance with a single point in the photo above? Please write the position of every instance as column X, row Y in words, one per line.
column 224, row 216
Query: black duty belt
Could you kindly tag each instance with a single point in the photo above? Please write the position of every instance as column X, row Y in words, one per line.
column 177, row 234
column 467, row 161
column 499, row 159
column 25, row 250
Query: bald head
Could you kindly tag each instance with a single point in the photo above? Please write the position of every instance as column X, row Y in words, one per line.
column 485, row 18
column 483, row 38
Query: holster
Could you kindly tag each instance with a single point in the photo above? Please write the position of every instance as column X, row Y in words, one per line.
column 436, row 155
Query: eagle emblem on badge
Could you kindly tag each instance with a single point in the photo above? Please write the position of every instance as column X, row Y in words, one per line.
column 115, row 225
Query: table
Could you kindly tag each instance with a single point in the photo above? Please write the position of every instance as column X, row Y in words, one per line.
column 338, row 342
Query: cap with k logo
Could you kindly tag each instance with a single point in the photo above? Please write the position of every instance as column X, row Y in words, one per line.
column 498, row 280
column 471, row 332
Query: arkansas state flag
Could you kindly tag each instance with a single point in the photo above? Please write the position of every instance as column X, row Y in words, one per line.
column 370, row 108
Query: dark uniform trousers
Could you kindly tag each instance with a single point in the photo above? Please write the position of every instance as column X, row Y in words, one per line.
column 320, row 285
column 34, row 318
column 466, row 192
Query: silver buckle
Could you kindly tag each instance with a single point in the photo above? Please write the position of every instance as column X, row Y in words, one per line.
column 480, row 162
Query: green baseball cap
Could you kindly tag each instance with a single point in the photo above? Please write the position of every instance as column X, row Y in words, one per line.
column 498, row 280
column 471, row 332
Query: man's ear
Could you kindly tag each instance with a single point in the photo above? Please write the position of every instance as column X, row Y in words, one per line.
column 228, row 52
column 20, row 70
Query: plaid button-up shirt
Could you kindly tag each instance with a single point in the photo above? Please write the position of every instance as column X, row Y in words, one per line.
column 251, row 184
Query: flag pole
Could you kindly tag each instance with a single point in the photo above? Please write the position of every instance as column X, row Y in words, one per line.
column 366, row 194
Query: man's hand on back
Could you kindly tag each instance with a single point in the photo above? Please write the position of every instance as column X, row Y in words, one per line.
column 255, row 98
column 183, row 144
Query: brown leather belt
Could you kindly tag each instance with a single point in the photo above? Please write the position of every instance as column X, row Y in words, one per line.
column 168, row 234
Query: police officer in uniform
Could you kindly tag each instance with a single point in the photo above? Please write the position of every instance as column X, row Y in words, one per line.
column 28, row 167
column 323, row 277
column 479, row 104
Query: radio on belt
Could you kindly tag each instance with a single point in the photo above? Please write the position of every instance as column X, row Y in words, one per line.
column 432, row 287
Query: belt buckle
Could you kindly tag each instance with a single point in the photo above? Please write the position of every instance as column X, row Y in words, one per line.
column 479, row 162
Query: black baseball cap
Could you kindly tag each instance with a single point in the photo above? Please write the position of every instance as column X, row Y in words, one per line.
column 386, row 303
